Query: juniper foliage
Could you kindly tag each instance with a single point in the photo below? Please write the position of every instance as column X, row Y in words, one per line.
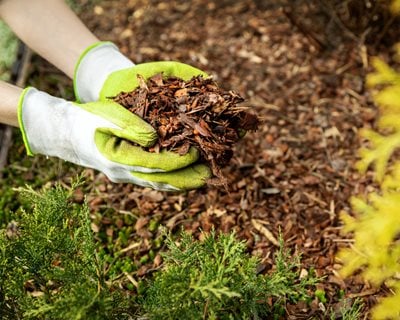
column 49, row 269
column 48, row 264
column 217, row 279
column 349, row 311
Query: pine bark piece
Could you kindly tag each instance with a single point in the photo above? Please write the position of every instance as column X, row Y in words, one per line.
column 191, row 113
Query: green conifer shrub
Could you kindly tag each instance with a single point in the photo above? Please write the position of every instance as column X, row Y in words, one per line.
column 49, row 269
column 48, row 264
column 216, row 279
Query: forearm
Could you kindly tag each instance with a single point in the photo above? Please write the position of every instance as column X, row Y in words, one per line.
column 9, row 97
column 50, row 28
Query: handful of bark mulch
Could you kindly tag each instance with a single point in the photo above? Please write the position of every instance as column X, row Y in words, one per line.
column 191, row 113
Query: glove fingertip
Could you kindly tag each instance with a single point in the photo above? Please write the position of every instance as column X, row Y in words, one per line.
column 145, row 138
column 189, row 178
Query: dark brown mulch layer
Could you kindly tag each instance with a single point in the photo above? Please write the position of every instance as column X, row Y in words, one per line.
column 295, row 173
column 194, row 113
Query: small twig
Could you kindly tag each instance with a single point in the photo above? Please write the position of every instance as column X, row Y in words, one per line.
column 329, row 9
column 206, row 309
column 130, row 247
column 5, row 143
column 384, row 31
column 257, row 224
column 314, row 198
column 131, row 279
column 311, row 36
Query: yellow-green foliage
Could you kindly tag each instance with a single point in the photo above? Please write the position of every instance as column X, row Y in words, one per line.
column 376, row 227
column 383, row 145
column 395, row 8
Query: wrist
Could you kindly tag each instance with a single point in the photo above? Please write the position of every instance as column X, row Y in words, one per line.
column 9, row 97
column 94, row 66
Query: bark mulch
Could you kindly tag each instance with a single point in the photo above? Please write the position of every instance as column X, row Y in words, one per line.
column 193, row 113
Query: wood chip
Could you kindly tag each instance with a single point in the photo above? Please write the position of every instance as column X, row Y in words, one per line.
column 257, row 224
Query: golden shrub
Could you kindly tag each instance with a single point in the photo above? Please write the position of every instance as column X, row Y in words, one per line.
column 376, row 225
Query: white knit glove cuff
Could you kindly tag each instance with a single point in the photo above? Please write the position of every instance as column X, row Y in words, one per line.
column 93, row 68
column 55, row 127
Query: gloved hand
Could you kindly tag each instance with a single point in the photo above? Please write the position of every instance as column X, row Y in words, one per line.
column 103, row 72
column 99, row 135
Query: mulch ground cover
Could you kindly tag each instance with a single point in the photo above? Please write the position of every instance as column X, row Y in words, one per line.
column 300, row 71
column 191, row 114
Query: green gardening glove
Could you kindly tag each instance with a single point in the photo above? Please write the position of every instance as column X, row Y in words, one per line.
column 107, row 137
column 104, row 72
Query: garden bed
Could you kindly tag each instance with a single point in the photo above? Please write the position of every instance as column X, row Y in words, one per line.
column 294, row 175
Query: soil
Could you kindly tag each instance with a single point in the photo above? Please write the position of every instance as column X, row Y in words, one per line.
column 301, row 71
